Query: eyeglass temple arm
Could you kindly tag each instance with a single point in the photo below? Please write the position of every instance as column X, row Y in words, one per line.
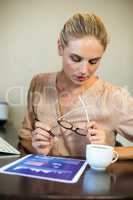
column 37, row 120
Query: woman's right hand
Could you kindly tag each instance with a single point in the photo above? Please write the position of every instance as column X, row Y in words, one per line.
column 42, row 141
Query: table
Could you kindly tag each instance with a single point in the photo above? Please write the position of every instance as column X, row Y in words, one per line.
column 114, row 183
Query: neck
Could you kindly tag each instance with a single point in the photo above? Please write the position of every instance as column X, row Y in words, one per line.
column 65, row 84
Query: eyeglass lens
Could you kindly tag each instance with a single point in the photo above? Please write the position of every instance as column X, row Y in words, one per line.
column 68, row 125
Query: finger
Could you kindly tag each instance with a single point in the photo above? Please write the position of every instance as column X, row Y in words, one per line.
column 96, row 142
column 94, row 138
column 45, row 128
column 97, row 139
column 41, row 144
column 93, row 132
column 41, row 125
column 40, row 138
column 42, row 132
column 92, row 125
column 33, row 133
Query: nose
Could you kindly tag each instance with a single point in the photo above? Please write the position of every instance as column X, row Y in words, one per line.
column 84, row 68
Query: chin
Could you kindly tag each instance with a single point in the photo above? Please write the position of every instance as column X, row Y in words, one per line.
column 78, row 82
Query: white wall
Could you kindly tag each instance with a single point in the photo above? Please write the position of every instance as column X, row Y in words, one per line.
column 28, row 37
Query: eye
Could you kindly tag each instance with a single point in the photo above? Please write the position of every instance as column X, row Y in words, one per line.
column 75, row 58
column 94, row 61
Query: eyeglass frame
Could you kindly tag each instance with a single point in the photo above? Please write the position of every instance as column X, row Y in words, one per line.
column 71, row 128
column 59, row 122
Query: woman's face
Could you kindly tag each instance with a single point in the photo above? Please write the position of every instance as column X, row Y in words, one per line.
column 81, row 58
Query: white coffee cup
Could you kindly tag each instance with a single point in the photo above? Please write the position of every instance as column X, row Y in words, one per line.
column 100, row 156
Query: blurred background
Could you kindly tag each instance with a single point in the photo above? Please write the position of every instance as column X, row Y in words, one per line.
column 28, row 44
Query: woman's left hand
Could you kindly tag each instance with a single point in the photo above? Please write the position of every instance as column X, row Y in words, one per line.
column 97, row 135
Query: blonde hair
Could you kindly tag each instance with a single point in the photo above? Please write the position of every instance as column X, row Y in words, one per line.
column 84, row 24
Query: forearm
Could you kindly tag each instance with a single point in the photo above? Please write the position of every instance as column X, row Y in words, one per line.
column 125, row 152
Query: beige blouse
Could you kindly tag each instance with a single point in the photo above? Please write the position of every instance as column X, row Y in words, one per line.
column 110, row 106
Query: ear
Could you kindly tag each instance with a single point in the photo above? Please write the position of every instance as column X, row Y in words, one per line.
column 60, row 48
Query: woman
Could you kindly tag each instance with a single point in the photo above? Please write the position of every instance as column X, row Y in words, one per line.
column 54, row 103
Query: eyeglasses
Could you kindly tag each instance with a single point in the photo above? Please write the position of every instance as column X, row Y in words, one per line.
column 72, row 127
column 55, row 131
column 76, row 127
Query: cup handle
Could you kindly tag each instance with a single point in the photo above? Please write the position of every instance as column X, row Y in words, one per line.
column 115, row 158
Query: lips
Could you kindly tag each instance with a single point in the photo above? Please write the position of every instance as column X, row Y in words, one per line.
column 80, row 78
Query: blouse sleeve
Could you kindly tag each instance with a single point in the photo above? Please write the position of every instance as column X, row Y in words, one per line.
column 25, row 134
column 123, row 113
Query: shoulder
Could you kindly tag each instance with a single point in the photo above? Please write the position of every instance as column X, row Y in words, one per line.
column 43, row 79
column 113, row 89
column 117, row 95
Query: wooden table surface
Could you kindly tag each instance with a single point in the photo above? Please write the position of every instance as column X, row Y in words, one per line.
column 114, row 183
